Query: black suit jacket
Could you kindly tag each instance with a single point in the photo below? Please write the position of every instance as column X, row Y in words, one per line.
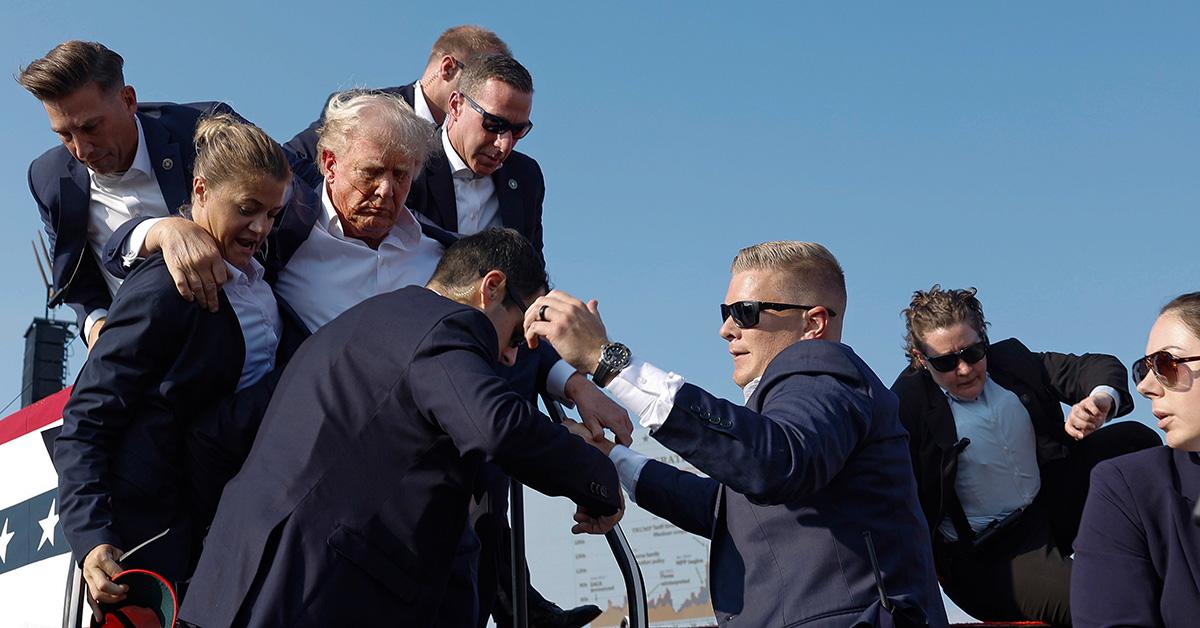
column 1042, row 381
column 303, row 147
column 353, row 500
column 520, row 188
column 816, row 458
column 62, row 190
column 122, row 454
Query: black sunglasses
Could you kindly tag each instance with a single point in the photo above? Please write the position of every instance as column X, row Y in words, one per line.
column 493, row 123
column 518, row 336
column 745, row 313
column 949, row 362
column 1164, row 365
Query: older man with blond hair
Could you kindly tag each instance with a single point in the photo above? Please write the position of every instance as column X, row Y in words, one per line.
column 809, row 501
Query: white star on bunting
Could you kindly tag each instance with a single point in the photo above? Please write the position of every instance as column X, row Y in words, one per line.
column 5, row 537
column 48, row 524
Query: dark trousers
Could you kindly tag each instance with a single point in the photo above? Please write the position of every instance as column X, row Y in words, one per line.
column 1024, row 571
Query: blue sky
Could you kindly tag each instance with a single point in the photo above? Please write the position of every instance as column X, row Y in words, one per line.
column 1045, row 153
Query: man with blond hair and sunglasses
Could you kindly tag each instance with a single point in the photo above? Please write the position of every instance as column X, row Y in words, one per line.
column 809, row 501
column 1001, row 475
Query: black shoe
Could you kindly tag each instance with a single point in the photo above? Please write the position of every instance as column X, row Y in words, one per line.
column 551, row 616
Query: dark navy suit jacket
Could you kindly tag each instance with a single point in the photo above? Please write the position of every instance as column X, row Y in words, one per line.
column 816, row 458
column 354, row 497
column 62, row 190
column 303, row 147
column 520, row 189
column 126, row 469
column 1137, row 556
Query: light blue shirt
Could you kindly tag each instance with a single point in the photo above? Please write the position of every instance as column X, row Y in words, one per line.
column 998, row 471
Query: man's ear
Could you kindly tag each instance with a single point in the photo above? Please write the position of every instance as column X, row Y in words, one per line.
column 447, row 68
column 491, row 287
column 816, row 323
column 454, row 106
column 128, row 99
column 327, row 161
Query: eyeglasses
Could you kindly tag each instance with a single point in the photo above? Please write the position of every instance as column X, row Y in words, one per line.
column 495, row 124
column 1164, row 365
column 745, row 313
column 518, row 337
column 949, row 362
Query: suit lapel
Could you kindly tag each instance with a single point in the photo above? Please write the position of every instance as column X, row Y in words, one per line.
column 512, row 210
column 441, row 191
column 74, row 193
column 167, row 159
column 942, row 427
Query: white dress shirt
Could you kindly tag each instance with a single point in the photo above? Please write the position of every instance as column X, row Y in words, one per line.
column 475, row 197
column 331, row 272
column 420, row 105
column 650, row 393
column 115, row 199
column 258, row 315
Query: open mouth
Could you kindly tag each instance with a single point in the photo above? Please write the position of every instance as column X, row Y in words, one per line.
column 247, row 244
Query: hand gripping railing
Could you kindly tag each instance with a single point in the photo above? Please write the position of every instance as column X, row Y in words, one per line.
column 635, row 587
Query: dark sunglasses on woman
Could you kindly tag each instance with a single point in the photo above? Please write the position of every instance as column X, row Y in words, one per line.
column 949, row 362
column 1164, row 365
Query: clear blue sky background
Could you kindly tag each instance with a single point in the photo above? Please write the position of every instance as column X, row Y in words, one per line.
column 1045, row 153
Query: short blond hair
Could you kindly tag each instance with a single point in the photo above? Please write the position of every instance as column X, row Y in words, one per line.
column 813, row 273
column 467, row 41
column 353, row 112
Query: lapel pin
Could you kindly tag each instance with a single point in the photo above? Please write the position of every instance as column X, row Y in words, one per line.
column 167, row 163
column 512, row 184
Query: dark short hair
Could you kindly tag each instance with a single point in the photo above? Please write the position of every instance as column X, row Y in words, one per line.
column 937, row 309
column 497, row 248
column 502, row 68
column 70, row 66
column 1187, row 308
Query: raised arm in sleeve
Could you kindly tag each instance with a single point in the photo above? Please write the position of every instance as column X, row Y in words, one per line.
column 1074, row 377
column 809, row 426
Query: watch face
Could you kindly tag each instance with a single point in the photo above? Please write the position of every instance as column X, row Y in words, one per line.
column 616, row 354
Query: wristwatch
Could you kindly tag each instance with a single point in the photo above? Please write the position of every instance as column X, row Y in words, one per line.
column 614, row 357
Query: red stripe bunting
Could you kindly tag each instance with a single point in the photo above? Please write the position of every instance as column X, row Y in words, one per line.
column 34, row 417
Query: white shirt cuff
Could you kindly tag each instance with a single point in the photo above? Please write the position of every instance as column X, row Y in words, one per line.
column 132, row 248
column 1112, row 393
column 89, row 322
column 647, row 390
column 629, row 465
column 556, row 382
